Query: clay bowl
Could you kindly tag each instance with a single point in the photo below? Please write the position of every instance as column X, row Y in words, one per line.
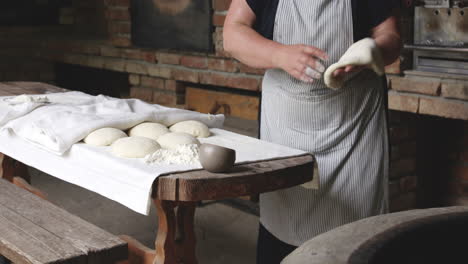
column 214, row 158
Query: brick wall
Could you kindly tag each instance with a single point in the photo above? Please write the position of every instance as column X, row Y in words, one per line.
column 21, row 46
column 156, row 75
column 87, row 18
column 403, row 176
column 17, row 56
column 428, row 129
column 456, row 166
column 429, row 166
column 114, row 51
column 103, row 40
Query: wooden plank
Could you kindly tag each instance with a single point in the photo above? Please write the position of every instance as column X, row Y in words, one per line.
column 97, row 244
column 245, row 179
column 36, row 87
column 19, row 88
column 230, row 104
column 2, row 157
column 22, row 241
column 8, row 90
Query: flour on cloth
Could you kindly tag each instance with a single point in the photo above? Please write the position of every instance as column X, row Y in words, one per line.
column 174, row 139
column 362, row 53
column 182, row 154
column 70, row 117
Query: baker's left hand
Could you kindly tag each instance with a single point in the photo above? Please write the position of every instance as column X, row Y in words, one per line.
column 341, row 72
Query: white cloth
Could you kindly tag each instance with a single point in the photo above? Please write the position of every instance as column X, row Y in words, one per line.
column 14, row 107
column 362, row 53
column 70, row 117
column 127, row 181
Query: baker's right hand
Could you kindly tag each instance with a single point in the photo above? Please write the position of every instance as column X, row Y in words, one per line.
column 301, row 61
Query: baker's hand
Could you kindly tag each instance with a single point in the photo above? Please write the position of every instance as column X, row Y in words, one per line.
column 301, row 61
column 341, row 72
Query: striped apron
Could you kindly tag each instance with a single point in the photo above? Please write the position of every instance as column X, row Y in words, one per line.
column 345, row 129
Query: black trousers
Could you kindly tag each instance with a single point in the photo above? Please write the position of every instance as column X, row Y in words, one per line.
column 3, row 260
column 271, row 250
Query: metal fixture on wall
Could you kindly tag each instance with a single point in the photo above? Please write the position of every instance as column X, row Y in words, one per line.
column 441, row 36
column 171, row 7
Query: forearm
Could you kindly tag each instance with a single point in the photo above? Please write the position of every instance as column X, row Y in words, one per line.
column 249, row 47
column 387, row 38
column 390, row 46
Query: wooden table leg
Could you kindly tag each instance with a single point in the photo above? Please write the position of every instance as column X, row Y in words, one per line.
column 175, row 243
column 185, row 242
column 137, row 252
column 17, row 173
column 165, row 240
column 12, row 168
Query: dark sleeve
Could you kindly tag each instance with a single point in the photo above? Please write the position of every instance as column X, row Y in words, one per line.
column 265, row 13
column 256, row 5
column 380, row 10
column 368, row 14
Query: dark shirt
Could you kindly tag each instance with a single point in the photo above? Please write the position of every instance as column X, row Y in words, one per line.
column 366, row 15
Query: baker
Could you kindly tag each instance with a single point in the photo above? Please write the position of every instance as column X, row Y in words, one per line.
column 345, row 128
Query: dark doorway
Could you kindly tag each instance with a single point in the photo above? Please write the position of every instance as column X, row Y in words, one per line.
column 31, row 12
column 92, row 81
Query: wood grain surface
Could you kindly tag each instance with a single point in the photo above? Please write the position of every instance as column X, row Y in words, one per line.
column 244, row 179
column 33, row 230
column 216, row 102
column 19, row 88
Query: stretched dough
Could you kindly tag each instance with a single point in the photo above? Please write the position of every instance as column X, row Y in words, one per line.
column 134, row 147
column 362, row 53
column 104, row 136
column 192, row 127
column 149, row 130
column 174, row 139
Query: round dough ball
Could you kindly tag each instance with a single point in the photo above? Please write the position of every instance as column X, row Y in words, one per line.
column 104, row 136
column 134, row 147
column 148, row 130
column 192, row 127
column 175, row 139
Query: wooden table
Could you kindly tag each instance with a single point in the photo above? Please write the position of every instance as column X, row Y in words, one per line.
column 176, row 195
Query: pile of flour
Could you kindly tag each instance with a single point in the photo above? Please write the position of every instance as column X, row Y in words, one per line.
column 181, row 155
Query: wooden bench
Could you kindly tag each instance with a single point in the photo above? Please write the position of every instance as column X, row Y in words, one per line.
column 33, row 230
